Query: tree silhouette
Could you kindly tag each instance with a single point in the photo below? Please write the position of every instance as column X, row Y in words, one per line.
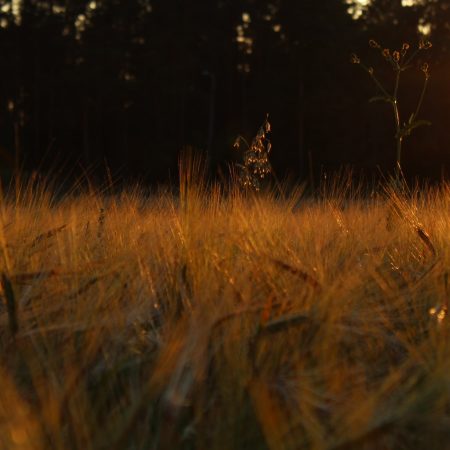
column 134, row 82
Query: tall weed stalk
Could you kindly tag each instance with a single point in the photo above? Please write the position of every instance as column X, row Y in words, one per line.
column 399, row 61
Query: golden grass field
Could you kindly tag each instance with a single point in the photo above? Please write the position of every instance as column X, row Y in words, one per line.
column 222, row 321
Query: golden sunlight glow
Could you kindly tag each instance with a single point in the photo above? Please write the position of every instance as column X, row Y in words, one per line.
column 16, row 8
column 246, row 17
column 242, row 38
column 58, row 9
column 425, row 28
column 356, row 8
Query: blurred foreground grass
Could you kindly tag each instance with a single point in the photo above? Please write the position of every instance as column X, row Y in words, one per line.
column 211, row 321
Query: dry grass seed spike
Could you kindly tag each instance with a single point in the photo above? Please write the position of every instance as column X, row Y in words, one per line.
column 256, row 166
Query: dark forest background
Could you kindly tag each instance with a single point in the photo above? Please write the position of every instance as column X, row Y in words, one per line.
column 129, row 83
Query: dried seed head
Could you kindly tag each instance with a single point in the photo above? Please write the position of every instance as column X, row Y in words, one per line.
column 424, row 45
column 256, row 165
column 405, row 48
column 370, row 70
column 425, row 69
column 374, row 44
column 396, row 56
column 387, row 53
column 354, row 59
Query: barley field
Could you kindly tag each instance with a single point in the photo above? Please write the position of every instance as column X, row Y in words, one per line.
column 211, row 319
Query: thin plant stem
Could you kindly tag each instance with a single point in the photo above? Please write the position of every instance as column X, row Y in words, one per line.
column 398, row 134
column 422, row 95
column 413, row 55
column 376, row 81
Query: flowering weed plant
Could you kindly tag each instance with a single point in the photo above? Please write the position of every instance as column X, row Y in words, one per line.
column 400, row 61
